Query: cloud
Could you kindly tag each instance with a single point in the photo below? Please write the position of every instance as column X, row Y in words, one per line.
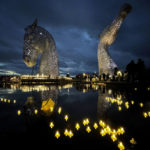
column 75, row 26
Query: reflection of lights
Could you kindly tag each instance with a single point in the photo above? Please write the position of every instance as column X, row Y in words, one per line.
column 36, row 111
column 19, row 112
column 66, row 117
column 57, row 134
column 77, row 126
column 51, row 125
column 119, row 108
column 88, row 129
column 59, row 110
column 109, row 91
column 95, row 125
column 121, row 146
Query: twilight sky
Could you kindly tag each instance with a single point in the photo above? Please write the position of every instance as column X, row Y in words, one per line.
column 75, row 25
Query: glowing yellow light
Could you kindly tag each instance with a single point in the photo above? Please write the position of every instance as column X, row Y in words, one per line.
column 8, row 100
column 77, row 126
column 5, row 100
column 48, row 105
column 132, row 102
column 113, row 137
column 121, row 146
column 135, row 89
column 141, row 104
column 84, row 122
column 59, row 110
column 66, row 132
column 36, row 111
column 88, row 129
column 19, row 112
column 119, row 108
column 108, row 130
column 87, row 121
column 14, row 101
column 51, row 109
column 149, row 113
column 114, row 132
column 145, row 114
column 132, row 141
column 66, row 117
column 51, row 125
column 57, row 134
column 121, row 130
column 95, row 125
column 103, row 132
column 70, row 134
column 2, row 99
column 102, row 124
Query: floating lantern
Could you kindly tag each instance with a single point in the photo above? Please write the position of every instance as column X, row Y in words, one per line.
column 84, row 122
column 77, row 126
column 70, row 134
column 59, row 110
column 51, row 125
column 66, row 117
column 132, row 102
column 119, row 108
column 108, row 130
column 102, row 132
column 113, row 137
column 14, row 101
column 141, row 105
column 121, row 146
column 57, row 134
column 8, row 100
column 2, row 99
column 145, row 114
column 87, row 121
column 5, row 100
column 149, row 113
column 122, row 131
column 19, row 112
column 35, row 111
column 102, row 124
column 88, row 129
column 132, row 141
column 95, row 125
column 66, row 132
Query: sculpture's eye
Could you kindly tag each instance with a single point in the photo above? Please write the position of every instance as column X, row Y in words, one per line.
column 30, row 37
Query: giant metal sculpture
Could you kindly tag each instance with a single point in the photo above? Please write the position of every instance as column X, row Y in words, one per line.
column 105, row 64
column 39, row 41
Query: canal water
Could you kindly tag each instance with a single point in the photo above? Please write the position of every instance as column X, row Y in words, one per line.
column 113, row 117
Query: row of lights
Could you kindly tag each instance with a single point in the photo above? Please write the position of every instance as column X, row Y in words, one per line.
column 5, row 100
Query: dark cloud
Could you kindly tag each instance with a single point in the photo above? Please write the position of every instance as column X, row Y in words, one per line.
column 75, row 26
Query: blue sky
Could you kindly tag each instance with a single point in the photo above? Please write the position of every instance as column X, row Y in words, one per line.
column 75, row 25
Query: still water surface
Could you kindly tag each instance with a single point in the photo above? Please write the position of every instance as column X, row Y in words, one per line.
column 102, row 114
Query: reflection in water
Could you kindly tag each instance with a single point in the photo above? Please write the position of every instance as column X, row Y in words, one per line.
column 113, row 108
